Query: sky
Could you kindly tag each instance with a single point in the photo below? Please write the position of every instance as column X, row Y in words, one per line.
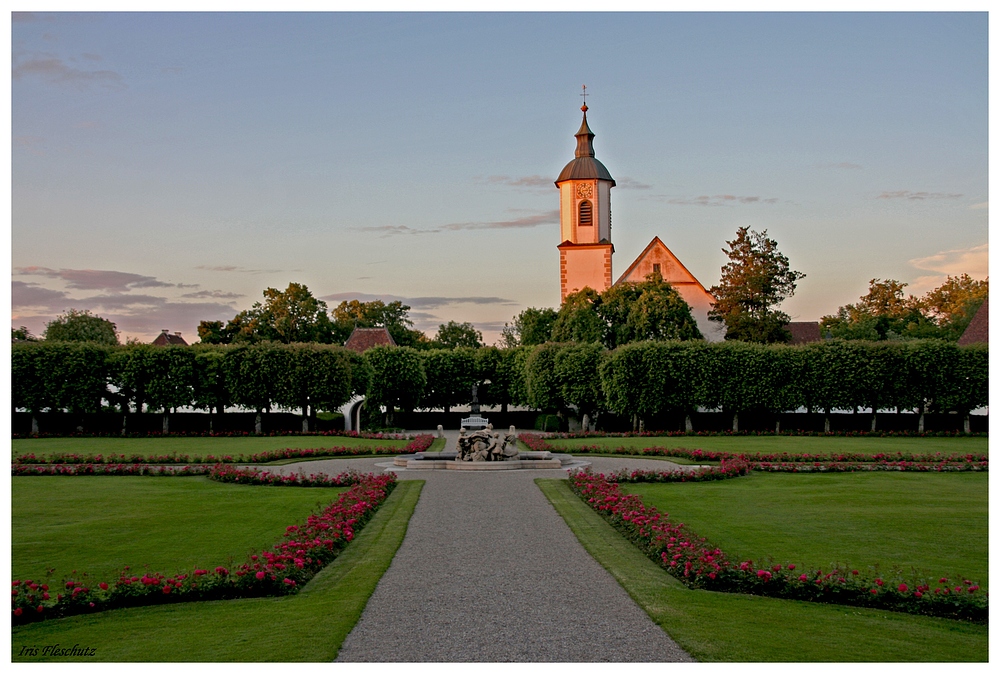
column 166, row 168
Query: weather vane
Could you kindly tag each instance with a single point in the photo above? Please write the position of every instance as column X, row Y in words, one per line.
column 584, row 94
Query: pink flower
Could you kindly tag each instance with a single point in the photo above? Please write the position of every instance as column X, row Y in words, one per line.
column 18, row 611
column 103, row 586
column 260, row 575
column 803, row 577
column 902, row 587
column 878, row 581
column 874, row 591
column 791, row 567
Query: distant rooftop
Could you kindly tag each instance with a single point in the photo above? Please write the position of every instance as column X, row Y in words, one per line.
column 804, row 332
column 363, row 339
column 978, row 330
column 167, row 339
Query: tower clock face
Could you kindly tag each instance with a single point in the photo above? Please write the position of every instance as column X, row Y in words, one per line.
column 584, row 191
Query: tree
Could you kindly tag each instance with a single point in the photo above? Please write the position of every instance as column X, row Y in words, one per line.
column 22, row 334
column 451, row 335
column 451, row 373
column 394, row 317
column 214, row 332
column 650, row 310
column 754, row 282
column 883, row 313
column 530, row 327
column 578, row 319
column 953, row 304
column 397, row 378
column 288, row 316
column 81, row 326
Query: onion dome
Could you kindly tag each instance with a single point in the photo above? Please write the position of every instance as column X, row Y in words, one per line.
column 585, row 166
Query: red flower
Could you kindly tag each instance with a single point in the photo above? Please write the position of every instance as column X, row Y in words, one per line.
column 874, row 591
column 260, row 575
column 902, row 587
column 103, row 586
column 878, row 581
column 791, row 567
column 18, row 611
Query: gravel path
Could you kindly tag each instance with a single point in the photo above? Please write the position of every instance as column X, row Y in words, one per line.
column 489, row 572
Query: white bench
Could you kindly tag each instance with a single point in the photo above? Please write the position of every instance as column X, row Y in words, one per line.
column 475, row 422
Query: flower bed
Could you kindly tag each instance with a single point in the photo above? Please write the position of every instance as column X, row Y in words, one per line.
column 789, row 433
column 773, row 460
column 221, row 434
column 304, row 550
column 417, row 444
column 29, row 469
column 699, row 564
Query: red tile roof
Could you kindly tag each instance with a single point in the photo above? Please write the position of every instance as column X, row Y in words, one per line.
column 804, row 332
column 166, row 339
column 363, row 339
column 978, row 330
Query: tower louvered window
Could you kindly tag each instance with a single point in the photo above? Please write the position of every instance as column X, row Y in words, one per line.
column 586, row 213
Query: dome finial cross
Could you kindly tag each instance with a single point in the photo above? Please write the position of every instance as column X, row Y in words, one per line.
column 584, row 94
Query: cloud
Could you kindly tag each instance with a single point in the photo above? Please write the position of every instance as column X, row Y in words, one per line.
column 974, row 261
column 720, row 200
column 391, row 230
column 27, row 295
column 916, row 196
column 241, row 270
column 216, row 294
column 846, row 165
column 97, row 279
column 981, row 206
column 524, row 181
column 630, row 184
column 424, row 303
column 56, row 71
column 546, row 218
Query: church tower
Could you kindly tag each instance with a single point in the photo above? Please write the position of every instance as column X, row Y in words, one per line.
column 584, row 219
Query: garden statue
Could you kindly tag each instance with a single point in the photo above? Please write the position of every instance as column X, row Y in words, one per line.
column 486, row 445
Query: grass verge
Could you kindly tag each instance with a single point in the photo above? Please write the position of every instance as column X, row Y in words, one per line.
column 718, row 627
column 790, row 444
column 883, row 519
column 307, row 627
column 98, row 525
column 194, row 447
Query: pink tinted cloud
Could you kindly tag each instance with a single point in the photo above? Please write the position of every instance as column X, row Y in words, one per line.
column 96, row 279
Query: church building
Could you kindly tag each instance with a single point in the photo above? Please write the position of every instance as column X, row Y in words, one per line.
column 586, row 249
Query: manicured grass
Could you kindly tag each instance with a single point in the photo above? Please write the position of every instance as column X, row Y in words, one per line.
column 739, row 628
column 98, row 525
column 790, row 444
column 933, row 523
column 195, row 447
column 307, row 627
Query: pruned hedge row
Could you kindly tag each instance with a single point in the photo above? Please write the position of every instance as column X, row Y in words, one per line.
column 636, row 380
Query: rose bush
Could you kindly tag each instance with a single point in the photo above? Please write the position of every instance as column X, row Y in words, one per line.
column 700, row 564
column 416, row 444
column 304, row 550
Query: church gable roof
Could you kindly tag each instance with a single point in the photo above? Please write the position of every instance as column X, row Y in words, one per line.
column 978, row 330
column 672, row 269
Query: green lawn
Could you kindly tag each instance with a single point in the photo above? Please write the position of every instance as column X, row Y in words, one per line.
column 936, row 523
column 718, row 627
column 307, row 627
column 195, row 447
column 97, row 525
column 790, row 444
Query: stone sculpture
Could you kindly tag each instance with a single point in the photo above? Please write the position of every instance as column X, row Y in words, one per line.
column 486, row 445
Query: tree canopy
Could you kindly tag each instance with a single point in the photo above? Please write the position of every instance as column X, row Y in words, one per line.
column 452, row 334
column 81, row 326
column 286, row 316
column 530, row 327
column 393, row 316
column 885, row 313
column 754, row 282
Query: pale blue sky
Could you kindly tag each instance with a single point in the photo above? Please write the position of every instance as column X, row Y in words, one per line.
column 166, row 168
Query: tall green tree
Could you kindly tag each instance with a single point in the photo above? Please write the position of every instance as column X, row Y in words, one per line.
column 755, row 281
column 530, row 327
column 578, row 319
column 397, row 379
column 286, row 316
column 81, row 326
column 650, row 310
column 452, row 334
column 451, row 374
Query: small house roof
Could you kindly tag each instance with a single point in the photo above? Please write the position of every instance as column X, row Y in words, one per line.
column 978, row 330
column 167, row 339
column 363, row 339
column 804, row 332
